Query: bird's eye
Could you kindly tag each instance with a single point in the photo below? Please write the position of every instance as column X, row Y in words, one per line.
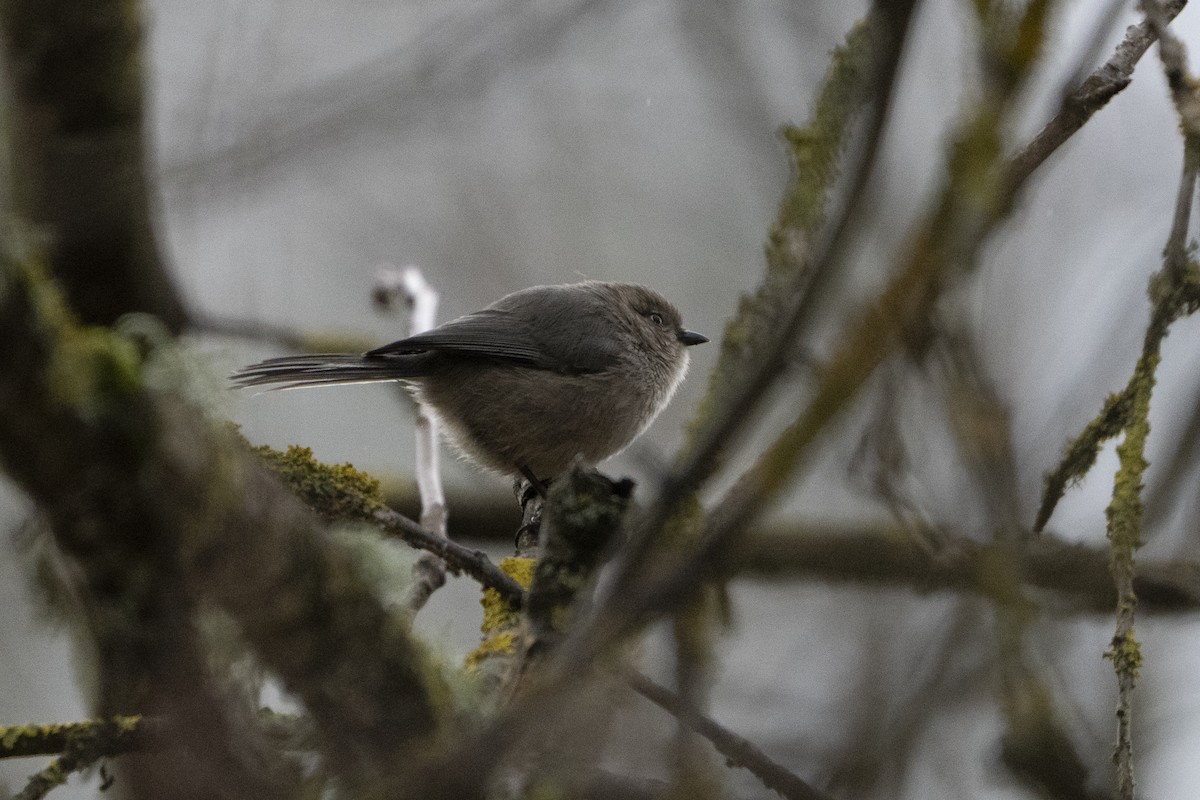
column 656, row 318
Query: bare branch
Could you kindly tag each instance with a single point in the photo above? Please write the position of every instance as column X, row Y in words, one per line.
column 739, row 751
column 459, row 558
column 1090, row 96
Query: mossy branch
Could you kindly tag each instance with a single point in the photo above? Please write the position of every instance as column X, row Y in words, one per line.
column 1081, row 453
column 972, row 201
column 78, row 745
column 754, row 335
column 814, row 155
column 336, row 492
column 583, row 514
column 759, row 340
column 1173, row 294
column 104, row 737
column 156, row 505
column 1172, row 299
column 501, row 624
column 343, row 493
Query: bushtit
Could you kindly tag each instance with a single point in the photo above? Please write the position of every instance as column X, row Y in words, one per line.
column 531, row 381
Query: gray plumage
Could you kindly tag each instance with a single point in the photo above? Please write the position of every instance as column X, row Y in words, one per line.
column 531, row 381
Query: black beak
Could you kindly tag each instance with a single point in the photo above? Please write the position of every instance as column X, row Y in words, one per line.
column 690, row 338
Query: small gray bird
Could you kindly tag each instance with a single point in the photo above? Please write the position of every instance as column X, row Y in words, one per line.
column 531, row 381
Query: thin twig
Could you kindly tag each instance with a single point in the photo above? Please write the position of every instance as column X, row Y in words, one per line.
column 422, row 300
column 1090, row 96
column 1093, row 45
column 1081, row 453
column 474, row 563
column 1175, row 255
column 738, row 750
column 116, row 736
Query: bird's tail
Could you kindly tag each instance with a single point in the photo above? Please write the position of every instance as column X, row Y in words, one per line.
column 331, row 369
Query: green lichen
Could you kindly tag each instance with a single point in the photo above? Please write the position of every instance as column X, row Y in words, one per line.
column 11, row 734
column 1124, row 513
column 501, row 624
column 1080, row 455
column 1126, row 654
column 1189, row 291
column 817, row 147
column 335, row 491
column 90, row 367
column 87, row 367
column 1178, row 294
column 101, row 736
column 519, row 569
column 53, row 774
column 498, row 613
column 501, row 644
column 583, row 515
column 127, row 724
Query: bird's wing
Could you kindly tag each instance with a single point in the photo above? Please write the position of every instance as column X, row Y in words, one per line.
column 487, row 332
column 550, row 341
